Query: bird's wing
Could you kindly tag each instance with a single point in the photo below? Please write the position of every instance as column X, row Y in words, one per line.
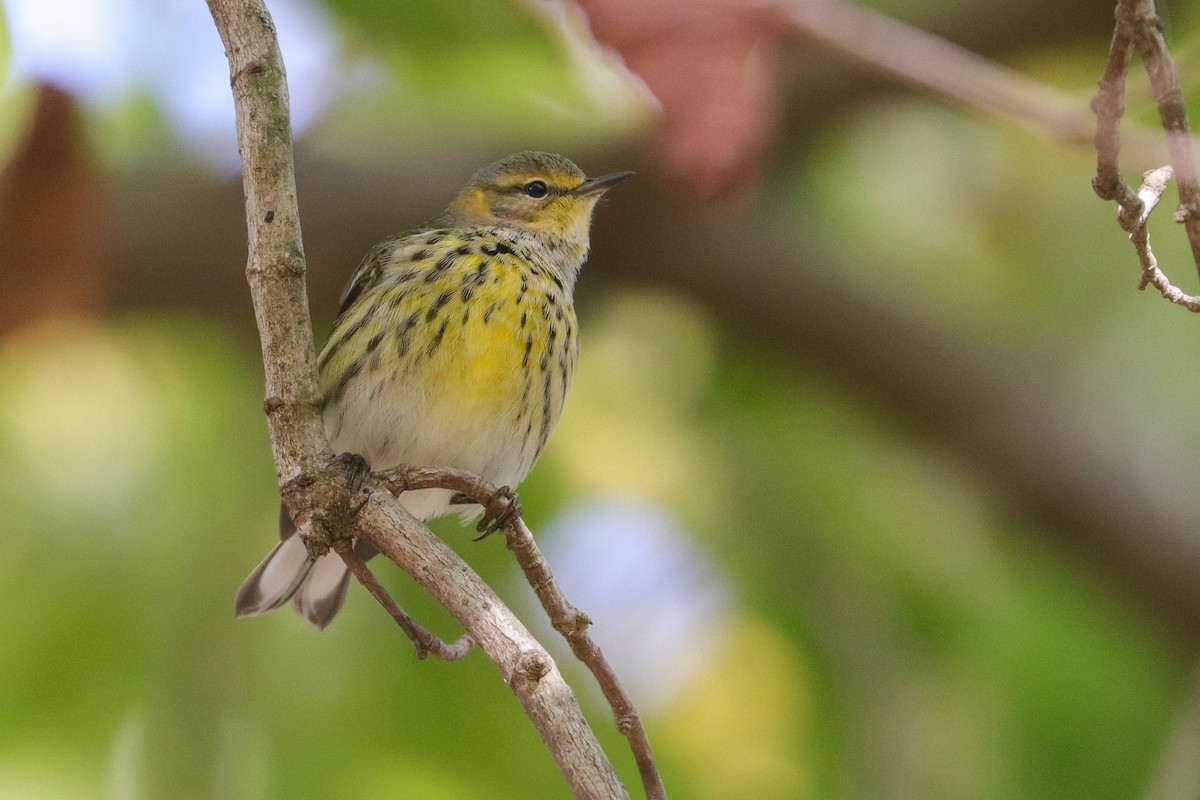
column 367, row 273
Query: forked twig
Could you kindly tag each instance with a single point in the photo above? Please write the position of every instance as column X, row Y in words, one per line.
column 425, row 642
column 1138, row 26
column 922, row 59
column 573, row 625
column 568, row 620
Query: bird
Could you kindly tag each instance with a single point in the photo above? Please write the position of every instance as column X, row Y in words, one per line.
column 454, row 346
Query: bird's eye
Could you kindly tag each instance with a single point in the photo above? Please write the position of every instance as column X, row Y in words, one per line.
column 536, row 189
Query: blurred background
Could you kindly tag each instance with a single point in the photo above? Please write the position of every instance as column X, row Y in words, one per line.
column 878, row 476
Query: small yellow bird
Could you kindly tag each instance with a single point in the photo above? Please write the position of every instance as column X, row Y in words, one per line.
column 454, row 347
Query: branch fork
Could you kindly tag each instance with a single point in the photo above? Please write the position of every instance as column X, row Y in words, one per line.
column 1138, row 26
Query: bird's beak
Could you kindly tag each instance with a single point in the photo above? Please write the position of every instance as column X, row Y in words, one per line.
column 597, row 186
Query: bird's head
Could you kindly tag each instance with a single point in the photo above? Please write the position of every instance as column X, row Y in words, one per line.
column 541, row 193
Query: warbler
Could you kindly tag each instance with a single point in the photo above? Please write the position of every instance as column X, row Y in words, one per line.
column 454, row 347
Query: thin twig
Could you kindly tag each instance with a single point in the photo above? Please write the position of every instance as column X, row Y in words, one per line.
column 1140, row 21
column 922, row 59
column 565, row 617
column 925, row 60
column 501, row 506
column 425, row 642
column 1138, row 25
column 1133, row 219
column 1109, row 107
column 573, row 625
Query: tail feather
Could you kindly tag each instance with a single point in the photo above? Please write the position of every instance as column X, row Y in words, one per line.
column 322, row 593
column 318, row 586
column 275, row 579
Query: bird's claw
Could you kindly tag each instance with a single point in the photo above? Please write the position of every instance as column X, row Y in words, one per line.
column 356, row 471
column 354, row 467
column 512, row 512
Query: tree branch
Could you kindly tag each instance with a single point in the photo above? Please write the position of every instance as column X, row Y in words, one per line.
column 573, row 624
column 275, row 266
column 1138, row 26
column 423, row 640
column 313, row 483
column 525, row 666
column 928, row 61
column 500, row 504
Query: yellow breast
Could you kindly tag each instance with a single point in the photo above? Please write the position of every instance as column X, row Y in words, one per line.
column 468, row 355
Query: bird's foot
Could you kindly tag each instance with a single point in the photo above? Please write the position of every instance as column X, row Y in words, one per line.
column 502, row 509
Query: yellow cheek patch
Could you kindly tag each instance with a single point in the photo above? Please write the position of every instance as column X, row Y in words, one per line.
column 476, row 203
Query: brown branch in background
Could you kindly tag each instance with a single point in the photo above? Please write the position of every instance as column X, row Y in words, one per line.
column 1138, row 25
column 928, row 61
column 314, row 484
column 1177, row 774
column 931, row 62
column 568, row 620
column 714, row 68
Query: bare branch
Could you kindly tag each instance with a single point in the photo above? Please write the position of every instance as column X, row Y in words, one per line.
column 315, row 485
column 523, row 663
column 275, row 268
column 1139, row 20
column 500, row 504
column 1133, row 218
column 1109, row 107
column 424, row 641
column 1138, row 26
column 573, row 624
column 928, row 61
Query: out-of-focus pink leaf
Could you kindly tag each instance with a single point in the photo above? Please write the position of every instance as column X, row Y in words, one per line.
column 711, row 64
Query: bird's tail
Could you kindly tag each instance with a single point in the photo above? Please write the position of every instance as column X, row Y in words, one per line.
column 318, row 586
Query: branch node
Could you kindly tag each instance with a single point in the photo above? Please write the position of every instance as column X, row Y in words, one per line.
column 533, row 665
column 1187, row 212
column 287, row 265
column 579, row 623
column 628, row 722
column 252, row 68
column 1138, row 23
